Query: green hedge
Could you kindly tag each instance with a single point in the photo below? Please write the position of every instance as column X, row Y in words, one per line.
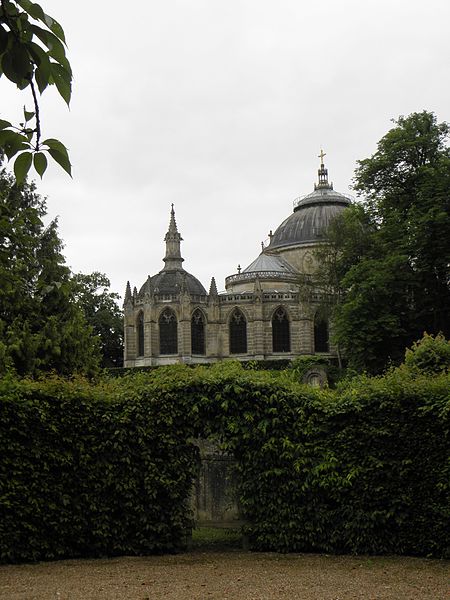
column 107, row 469
column 91, row 471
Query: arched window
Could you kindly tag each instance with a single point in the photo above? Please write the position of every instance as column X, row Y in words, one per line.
column 238, row 333
column 168, row 332
column 320, row 335
column 140, row 334
column 281, row 339
column 198, row 332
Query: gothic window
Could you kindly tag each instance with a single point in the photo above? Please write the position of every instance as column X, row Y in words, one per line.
column 168, row 332
column 281, row 339
column 238, row 333
column 198, row 333
column 140, row 334
column 320, row 335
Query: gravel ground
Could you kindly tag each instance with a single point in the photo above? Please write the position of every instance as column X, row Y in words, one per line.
column 229, row 575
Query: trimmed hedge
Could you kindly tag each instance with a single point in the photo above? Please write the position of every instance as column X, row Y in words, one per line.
column 107, row 469
column 89, row 471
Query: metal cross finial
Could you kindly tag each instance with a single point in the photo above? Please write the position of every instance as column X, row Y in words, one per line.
column 321, row 155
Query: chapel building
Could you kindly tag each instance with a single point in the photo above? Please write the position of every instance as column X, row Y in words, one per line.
column 261, row 315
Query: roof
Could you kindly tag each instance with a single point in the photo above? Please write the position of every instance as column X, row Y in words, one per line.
column 268, row 262
column 312, row 214
column 173, row 281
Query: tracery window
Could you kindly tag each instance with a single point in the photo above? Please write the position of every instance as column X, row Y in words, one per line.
column 140, row 334
column 238, row 333
column 281, row 339
column 168, row 332
column 198, row 332
column 321, row 335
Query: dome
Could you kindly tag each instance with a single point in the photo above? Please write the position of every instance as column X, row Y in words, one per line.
column 173, row 279
column 312, row 215
column 269, row 263
column 173, row 282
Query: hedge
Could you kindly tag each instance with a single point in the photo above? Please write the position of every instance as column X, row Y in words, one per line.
column 88, row 470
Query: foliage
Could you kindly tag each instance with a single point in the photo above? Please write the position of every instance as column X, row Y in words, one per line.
column 107, row 468
column 90, row 471
column 102, row 313
column 32, row 55
column 386, row 263
column 41, row 326
column 429, row 355
column 302, row 364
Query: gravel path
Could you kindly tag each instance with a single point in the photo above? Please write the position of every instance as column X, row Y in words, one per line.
column 232, row 575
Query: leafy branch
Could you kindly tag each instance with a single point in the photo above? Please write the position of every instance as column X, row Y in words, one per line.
column 32, row 54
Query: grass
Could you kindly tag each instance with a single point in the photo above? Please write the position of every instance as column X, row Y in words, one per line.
column 214, row 537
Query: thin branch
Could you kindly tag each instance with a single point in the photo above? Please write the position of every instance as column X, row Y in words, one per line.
column 36, row 111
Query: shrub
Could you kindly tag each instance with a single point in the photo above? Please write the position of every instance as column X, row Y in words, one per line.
column 429, row 355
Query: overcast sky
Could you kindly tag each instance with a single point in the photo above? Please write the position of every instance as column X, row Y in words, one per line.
column 221, row 107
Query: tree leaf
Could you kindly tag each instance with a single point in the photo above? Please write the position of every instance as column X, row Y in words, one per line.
column 22, row 165
column 32, row 9
column 4, row 124
column 36, row 11
column 11, row 137
column 55, row 145
column 62, row 159
column 3, row 39
column 28, row 115
column 42, row 76
column 20, row 60
column 62, row 81
column 40, row 163
column 54, row 45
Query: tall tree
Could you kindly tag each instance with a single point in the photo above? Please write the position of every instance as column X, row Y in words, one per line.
column 41, row 326
column 394, row 279
column 406, row 184
column 102, row 312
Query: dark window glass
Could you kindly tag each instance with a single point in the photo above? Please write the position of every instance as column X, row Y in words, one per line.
column 238, row 333
column 198, row 333
column 281, row 339
column 168, row 332
column 140, row 334
column 321, row 336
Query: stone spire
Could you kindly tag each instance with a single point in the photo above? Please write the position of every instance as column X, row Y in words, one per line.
column 173, row 239
column 323, row 175
column 127, row 293
column 213, row 288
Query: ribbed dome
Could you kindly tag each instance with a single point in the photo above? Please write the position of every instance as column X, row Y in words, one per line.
column 312, row 215
column 173, row 282
column 266, row 262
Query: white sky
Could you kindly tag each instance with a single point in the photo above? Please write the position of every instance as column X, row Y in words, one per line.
column 221, row 107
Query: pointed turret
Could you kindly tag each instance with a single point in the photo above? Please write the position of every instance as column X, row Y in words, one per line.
column 127, row 293
column 213, row 288
column 323, row 175
column 173, row 239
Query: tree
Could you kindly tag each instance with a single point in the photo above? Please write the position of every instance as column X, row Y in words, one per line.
column 41, row 326
column 102, row 312
column 32, row 55
column 394, row 279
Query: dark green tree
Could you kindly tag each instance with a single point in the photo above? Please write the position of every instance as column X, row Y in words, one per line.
column 102, row 312
column 42, row 328
column 393, row 280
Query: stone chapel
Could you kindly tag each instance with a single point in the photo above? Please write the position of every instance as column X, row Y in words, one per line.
column 261, row 315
